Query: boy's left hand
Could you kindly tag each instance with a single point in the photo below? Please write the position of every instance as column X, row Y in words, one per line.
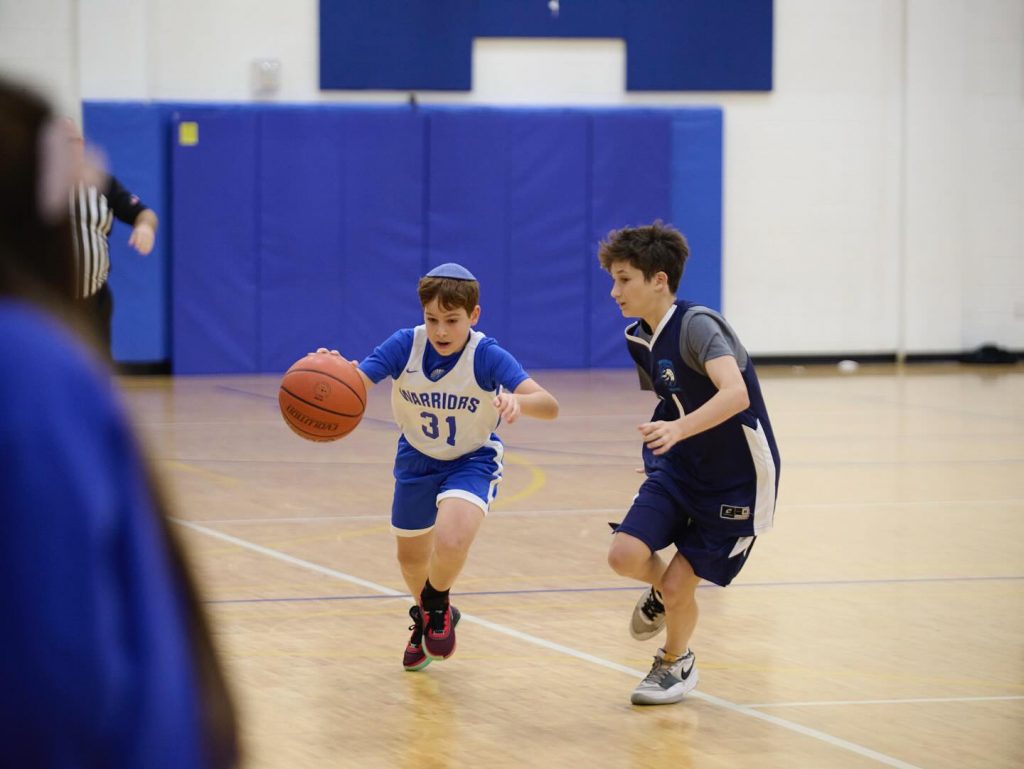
column 661, row 436
column 508, row 407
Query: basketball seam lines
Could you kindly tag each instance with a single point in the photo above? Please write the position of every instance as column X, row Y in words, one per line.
column 322, row 408
column 329, row 376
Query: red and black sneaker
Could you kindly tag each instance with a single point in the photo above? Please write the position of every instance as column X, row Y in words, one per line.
column 439, row 631
column 415, row 658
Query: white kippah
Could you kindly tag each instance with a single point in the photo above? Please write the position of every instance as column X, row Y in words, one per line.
column 451, row 270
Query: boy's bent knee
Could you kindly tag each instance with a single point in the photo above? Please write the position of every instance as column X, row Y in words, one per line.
column 627, row 555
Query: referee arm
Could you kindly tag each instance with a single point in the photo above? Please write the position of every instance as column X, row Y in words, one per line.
column 144, row 231
column 130, row 210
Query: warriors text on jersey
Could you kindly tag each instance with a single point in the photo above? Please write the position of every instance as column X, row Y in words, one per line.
column 447, row 417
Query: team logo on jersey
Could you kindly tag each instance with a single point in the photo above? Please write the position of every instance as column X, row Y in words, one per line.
column 667, row 375
column 734, row 513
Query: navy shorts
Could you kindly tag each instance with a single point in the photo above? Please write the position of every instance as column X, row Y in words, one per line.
column 421, row 482
column 661, row 516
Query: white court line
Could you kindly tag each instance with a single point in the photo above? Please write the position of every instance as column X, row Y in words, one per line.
column 566, row 650
column 909, row 700
column 379, row 516
column 622, row 510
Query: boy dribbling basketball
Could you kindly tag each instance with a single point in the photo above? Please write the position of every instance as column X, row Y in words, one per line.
column 452, row 387
column 709, row 453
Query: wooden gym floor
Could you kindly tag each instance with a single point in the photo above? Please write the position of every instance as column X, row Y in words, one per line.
column 880, row 624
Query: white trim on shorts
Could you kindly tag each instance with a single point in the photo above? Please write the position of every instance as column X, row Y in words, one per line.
column 409, row 532
column 466, row 495
column 498, row 475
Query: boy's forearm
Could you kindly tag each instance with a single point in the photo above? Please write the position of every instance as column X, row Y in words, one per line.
column 721, row 406
column 540, row 405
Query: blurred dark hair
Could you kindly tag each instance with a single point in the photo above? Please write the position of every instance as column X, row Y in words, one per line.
column 37, row 264
column 36, row 257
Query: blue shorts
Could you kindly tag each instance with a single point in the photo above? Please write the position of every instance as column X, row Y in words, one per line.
column 660, row 517
column 421, row 482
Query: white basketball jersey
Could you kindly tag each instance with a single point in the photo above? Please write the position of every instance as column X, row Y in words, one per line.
column 448, row 418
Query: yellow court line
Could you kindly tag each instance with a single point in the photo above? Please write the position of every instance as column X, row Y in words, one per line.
column 535, row 484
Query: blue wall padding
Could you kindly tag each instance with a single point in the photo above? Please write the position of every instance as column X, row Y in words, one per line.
column 671, row 45
column 301, row 234
column 547, row 207
column 631, row 185
column 341, row 236
column 404, row 44
column 384, row 249
column 697, row 200
column 216, row 271
column 725, row 45
column 508, row 199
column 467, row 210
column 294, row 227
column 134, row 141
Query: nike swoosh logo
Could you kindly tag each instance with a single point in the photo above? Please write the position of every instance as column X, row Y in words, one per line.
column 669, row 681
column 683, row 675
column 411, row 370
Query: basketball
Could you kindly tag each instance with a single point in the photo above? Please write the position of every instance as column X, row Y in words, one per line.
column 322, row 397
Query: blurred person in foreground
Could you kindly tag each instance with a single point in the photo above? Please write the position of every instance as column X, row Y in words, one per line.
column 107, row 659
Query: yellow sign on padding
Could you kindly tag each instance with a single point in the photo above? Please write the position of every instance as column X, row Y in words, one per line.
column 188, row 134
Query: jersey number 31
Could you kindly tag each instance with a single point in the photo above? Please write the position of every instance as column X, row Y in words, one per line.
column 431, row 427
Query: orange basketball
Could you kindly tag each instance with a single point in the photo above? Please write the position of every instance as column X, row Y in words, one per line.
column 322, row 397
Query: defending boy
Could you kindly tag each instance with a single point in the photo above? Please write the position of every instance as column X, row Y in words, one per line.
column 710, row 459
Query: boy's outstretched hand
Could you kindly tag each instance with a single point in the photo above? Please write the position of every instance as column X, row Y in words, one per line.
column 508, row 407
column 661, row 436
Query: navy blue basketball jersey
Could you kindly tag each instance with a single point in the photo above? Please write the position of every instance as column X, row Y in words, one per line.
column 729, row 472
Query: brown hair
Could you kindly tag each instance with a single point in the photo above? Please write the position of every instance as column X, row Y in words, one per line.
column 451, row 293
column 651, row 249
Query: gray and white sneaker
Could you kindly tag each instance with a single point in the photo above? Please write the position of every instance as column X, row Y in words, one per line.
column 648, row 616
column 667, row 682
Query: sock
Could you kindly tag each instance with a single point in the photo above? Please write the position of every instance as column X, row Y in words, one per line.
column 674, row 657
column 432, row 598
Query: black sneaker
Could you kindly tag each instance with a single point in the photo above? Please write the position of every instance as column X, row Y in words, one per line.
column 439, row 631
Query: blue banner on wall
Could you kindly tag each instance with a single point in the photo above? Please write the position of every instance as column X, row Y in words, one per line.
column 671, row 45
